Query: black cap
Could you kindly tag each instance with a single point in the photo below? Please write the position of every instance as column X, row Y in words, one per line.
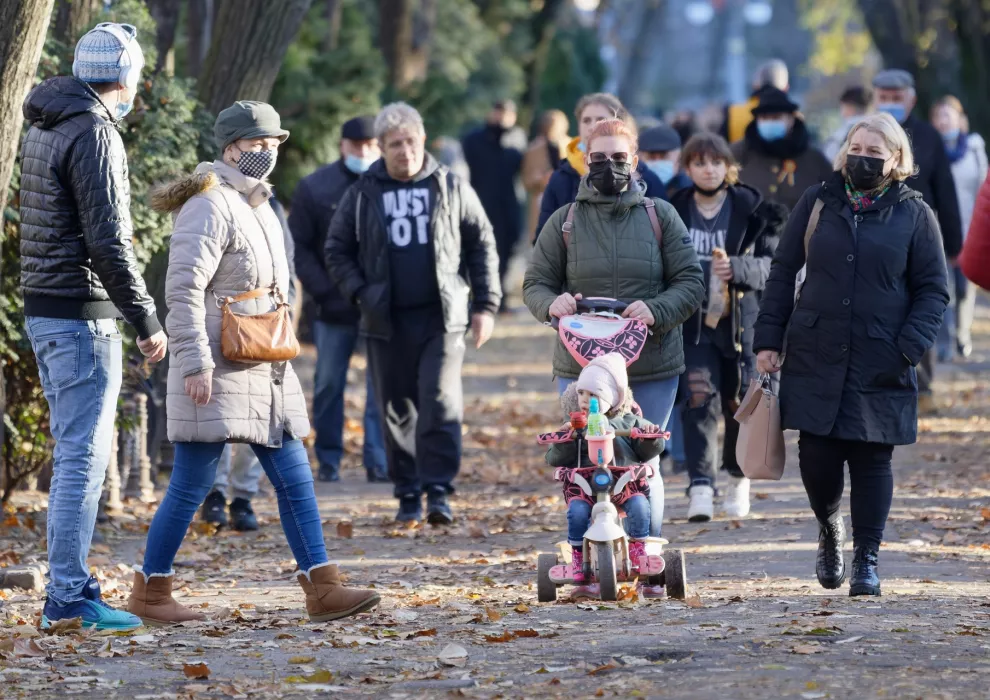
column 774, row 101
column 660, row 138
column 359, row 128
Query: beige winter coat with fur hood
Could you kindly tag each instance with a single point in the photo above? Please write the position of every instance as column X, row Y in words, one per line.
column 226, row 240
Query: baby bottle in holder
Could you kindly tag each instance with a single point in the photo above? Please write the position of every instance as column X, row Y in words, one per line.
column 598, row 436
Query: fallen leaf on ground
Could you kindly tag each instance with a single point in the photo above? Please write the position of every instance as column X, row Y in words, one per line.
column 345, row 529
column 601, row 669
column 65, row 625
column 321, row 676
column 453, row 655
column 422, row 633
column 694, row 601
column 21, row 646
column 493, row 615
column 522, row 608
column 506, row 636
column 806, row 649
column 200, row 670
column 302, row 660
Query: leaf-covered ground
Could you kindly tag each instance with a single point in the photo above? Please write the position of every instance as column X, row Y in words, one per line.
column 459, row 613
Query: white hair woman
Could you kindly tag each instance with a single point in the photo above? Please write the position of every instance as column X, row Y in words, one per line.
column 870, row 307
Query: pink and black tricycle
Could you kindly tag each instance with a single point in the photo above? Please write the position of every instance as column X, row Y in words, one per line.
column 606, row 544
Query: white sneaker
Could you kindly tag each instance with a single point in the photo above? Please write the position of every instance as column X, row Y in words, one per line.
column 736, row 501
column 702, row 505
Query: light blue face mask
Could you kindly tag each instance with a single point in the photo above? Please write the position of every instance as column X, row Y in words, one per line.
column 772, row 131
column 123, row 109
column 894, row 109
column 951, row 137
column 582, row 147
column 358, row 165
column 664, row 169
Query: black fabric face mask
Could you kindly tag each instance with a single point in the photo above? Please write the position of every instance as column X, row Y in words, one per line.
column 710, row 193
column 609, row 178
column 865, row 172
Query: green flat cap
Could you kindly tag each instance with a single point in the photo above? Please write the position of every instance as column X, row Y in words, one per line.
column 247, row 119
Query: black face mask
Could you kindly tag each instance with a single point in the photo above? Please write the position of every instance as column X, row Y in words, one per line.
column 865, row 172
column 609, row 178
column 710, row 193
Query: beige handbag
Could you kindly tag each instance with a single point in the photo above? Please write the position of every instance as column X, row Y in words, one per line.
column 760, row 446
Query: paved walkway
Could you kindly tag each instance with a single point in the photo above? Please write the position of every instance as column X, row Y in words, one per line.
column 460, row 613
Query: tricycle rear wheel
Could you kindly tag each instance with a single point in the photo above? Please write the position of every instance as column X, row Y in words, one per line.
column 675, row 574
column 546, row 590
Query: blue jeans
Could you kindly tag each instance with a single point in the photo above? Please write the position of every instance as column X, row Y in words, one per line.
column 81, row 368
column 334, row 347
column 656, row 400
column 193, row 474
column 675, row 446
column 637, row 510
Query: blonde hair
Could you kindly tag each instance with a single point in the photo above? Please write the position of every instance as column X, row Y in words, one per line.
column 606, row 100
column 615, row 127
column 893, row 135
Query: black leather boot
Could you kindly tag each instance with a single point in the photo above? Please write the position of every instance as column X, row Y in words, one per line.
column 864, row 579
column 831, row 566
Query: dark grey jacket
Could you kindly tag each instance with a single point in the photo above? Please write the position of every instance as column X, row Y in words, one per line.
column 314, row 204
column 871, row 306
column 77, row 257
column 463, row 247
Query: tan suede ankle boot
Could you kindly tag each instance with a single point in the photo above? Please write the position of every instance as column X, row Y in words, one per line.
column 151, row 600
column 328, row 599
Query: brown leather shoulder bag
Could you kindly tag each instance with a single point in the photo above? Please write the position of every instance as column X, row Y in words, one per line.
column 266, row 337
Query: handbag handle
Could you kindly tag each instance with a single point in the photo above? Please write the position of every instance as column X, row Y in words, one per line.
column 247, row 296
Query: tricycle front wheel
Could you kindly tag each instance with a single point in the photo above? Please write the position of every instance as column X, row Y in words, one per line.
column 675, row 574
column 605, row 570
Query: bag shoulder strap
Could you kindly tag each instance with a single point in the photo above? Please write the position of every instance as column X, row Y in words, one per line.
column 816, row 214
column 568, row 226
column 651, row 210
column 246, row 296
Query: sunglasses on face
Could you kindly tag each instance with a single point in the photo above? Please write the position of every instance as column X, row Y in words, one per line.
column 601, row 157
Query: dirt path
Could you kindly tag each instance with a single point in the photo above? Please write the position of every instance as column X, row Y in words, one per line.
column 460, row 614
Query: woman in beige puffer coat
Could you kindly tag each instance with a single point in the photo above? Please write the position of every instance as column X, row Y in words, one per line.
column 227, row 241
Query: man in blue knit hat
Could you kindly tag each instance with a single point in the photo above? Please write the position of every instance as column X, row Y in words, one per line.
column 78, row 276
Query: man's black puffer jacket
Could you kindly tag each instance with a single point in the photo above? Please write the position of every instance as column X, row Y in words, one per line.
column 77, row 258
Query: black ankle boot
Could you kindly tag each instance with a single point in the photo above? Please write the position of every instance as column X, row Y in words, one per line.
column 242, row 517
column 831, row 566
column 864, row 579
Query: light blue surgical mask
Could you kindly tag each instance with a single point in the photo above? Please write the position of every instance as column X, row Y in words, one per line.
column 664, row 169
column 895, row 109
column 123, row 109
column 951, row 137
column 582, row 147
column 772, row 131
column 358, row 165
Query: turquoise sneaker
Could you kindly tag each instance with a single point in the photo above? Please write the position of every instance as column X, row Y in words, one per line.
column 94, row 612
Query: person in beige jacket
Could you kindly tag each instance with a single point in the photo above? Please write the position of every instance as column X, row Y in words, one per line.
column 226, row 241
column 541, row 159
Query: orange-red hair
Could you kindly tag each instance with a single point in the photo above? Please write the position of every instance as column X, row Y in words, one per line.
column 615, row 127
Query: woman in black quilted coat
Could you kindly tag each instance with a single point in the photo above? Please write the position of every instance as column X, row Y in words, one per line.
column 870, row 307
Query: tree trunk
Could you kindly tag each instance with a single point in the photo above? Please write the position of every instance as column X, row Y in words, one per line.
column 199, row 27
column 23, row 24
column 247, row 49
column 74, row 18
column 166, row 16
column 332, row 38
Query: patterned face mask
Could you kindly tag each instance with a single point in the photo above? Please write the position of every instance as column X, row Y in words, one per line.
column 257, row 164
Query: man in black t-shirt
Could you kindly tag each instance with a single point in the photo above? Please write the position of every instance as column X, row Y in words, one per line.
column 411, row 245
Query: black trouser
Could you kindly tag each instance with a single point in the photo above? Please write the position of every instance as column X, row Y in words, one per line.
column 871, row 478
column 505, row 246
column 709, row 388
column 417, row 379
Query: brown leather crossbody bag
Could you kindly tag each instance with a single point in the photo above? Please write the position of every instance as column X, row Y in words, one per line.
column 266, row 337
